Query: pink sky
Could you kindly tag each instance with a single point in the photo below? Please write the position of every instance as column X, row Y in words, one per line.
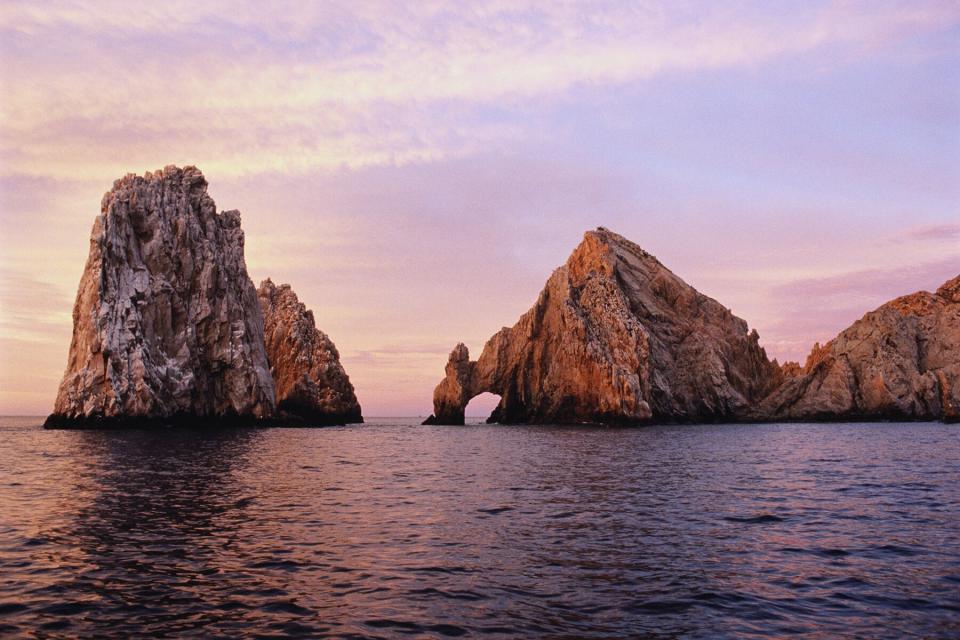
column 416, row 172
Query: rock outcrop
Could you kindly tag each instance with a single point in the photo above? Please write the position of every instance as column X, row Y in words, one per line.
column 615, row 337
column 309, row 380
column 900, row 361
column 166, row 326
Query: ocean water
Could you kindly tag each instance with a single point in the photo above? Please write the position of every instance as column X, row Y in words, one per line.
column 392, row 529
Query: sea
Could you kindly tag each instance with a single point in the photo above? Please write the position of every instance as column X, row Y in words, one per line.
column 391, row 529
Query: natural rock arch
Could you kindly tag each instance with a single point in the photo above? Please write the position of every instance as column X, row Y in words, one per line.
column 481, row 406
column 614, row 336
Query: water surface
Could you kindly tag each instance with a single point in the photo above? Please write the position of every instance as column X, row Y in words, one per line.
column 394, row 529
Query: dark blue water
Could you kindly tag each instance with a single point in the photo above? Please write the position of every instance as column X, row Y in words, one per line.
column 396, row 530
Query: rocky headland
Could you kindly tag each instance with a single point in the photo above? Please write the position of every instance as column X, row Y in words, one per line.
column 167, row 325
column 898, row 362
column 616, row 337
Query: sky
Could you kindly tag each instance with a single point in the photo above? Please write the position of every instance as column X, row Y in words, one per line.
column 416, row 170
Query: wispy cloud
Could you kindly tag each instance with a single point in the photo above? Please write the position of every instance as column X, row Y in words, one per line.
column 879, row 283
column 325, row 85
column 35, row 321
column 946, row 232
column 32, row 309
column 817, row 309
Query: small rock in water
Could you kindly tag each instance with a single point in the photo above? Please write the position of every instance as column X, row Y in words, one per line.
column 310, row 382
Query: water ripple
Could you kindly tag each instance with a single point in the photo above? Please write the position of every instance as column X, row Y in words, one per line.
column 392, row 529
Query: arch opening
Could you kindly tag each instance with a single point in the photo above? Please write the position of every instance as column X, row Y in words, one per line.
column 480, row 408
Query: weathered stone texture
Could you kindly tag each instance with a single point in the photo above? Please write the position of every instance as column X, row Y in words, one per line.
column 900, row 361
column 166, row 321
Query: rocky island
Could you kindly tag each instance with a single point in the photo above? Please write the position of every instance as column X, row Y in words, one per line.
column 616, row 337
column 168, row 327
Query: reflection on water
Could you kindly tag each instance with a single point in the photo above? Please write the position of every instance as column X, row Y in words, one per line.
column 396, row 529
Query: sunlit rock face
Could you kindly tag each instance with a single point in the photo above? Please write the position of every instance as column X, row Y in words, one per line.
column 166, row 324
column 309, row 380
column 900, row 361
column 616, row 337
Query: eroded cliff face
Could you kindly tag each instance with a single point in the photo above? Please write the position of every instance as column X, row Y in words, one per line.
column 613, row 337
column 900, row 361
column 166, row 322
column 309, row 380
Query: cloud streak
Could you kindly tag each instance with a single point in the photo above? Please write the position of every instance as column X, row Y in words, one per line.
column 881, row 284
column 322, row 86
column 948, row 232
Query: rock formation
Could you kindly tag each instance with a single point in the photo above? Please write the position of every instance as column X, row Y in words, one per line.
column 614, row 336
column 900, row 361
column 166, row 325
column 309, row 380
column 168, row 328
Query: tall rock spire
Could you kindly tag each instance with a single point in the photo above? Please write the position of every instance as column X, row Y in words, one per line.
column 166, row 323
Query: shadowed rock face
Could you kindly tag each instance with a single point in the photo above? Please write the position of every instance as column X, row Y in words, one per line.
column 308, row 377
column 166, row 322
column 614, row 337
column 901, row 361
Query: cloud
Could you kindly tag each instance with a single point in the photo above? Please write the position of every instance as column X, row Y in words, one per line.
column 416, row 172
column 932, row 232
column 32, row 309
column 95, row 89
column 816, row 309
column 407, row 350
column 35, row 324
column 878, row 283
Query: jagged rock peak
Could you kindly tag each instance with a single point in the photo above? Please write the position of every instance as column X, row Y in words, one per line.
column 900, row 361
column 614, row 336
column 309, row 380
column 166, row 322
column 950, row 290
